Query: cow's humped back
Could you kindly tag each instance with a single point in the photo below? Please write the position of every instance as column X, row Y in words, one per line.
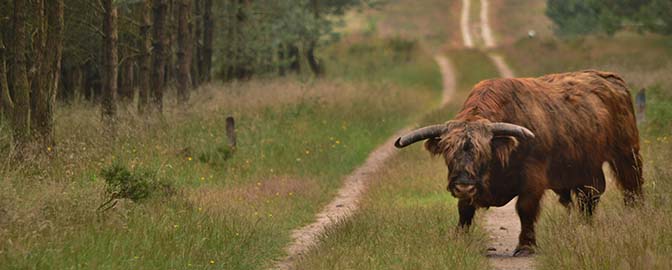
column 577, row 116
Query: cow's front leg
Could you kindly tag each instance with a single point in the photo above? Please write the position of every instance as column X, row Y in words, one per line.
column 467, row 211
column 528, row 211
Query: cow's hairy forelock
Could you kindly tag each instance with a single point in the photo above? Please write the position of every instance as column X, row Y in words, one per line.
column 465, row 148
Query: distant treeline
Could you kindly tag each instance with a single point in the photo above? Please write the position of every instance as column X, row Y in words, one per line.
column 130, row 51
column 579, row 17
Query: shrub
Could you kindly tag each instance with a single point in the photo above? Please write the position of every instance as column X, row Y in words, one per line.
column 217, row 155
column 402, row 48
column 135, row 185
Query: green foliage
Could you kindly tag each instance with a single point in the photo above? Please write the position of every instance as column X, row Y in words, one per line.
column 395, row 60
column 403, row 48
column 137, row 185
column 580, row 17
column 576, row 17
column 253, row 34
column 217, row 155
column 658, row 112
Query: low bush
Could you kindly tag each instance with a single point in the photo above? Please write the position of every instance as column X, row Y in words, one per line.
column 136, row 185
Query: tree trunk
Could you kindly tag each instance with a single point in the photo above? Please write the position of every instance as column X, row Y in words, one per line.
column 313, row 62
column 6, row 102
column 184, row 42
column 44, row 95
column 46, row 78
column 208, row 30
column 110, row 61
column 145, row 57
column 281, row 60
column 21, row 88
column 159, row 54
column 125, row 81
column 78, row 78
column 294, row 58
column 171, row 35
column 36, row 59
column 198, row 48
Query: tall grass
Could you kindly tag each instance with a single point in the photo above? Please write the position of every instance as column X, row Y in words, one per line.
column 407, row 219
column 296, row 140
column 428, row 21
column 617, row 237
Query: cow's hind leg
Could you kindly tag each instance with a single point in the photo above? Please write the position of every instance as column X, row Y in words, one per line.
column 467, row 211
column 628, row 170
column 588, row 197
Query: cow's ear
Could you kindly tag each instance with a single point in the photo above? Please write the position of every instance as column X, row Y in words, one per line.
column 432, row 146
column 502, row 147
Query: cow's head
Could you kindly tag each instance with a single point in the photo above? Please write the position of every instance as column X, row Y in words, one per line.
column 468, row 148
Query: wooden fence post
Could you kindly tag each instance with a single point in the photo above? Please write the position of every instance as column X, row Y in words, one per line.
column 231, row 131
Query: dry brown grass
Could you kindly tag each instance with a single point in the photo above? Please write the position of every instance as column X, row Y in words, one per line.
column 512, row 19
column 286, row 127
column 430, row 22
column 220, row 200
column 617, row 237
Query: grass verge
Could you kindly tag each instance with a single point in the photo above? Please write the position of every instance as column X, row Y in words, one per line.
column 407, row 219
column 230, row 209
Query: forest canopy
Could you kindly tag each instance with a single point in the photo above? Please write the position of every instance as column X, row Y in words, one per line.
column 112, row 52
column 580, row 17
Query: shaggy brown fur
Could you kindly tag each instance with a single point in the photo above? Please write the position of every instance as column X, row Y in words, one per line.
column 580, row 119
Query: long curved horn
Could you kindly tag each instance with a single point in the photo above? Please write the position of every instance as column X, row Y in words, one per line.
column 506, row 129
column 419, row 135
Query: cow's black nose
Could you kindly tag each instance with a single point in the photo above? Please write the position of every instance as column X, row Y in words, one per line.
column 464, row 190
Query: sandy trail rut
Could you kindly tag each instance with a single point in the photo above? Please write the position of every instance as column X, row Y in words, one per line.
column 347, row 201
column 501, row 223
column 464, row 24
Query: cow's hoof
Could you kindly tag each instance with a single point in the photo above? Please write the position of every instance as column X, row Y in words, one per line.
column 523, row 251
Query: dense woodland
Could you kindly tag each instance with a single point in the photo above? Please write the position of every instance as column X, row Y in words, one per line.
column 580, row 17
column 132, row 52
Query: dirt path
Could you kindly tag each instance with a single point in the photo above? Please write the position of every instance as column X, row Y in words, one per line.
column 501, row 223
column 486, row 32
column 504, row 70
column 448, row 77
column 347, row 201
column 341, row 208
column 464, row 24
